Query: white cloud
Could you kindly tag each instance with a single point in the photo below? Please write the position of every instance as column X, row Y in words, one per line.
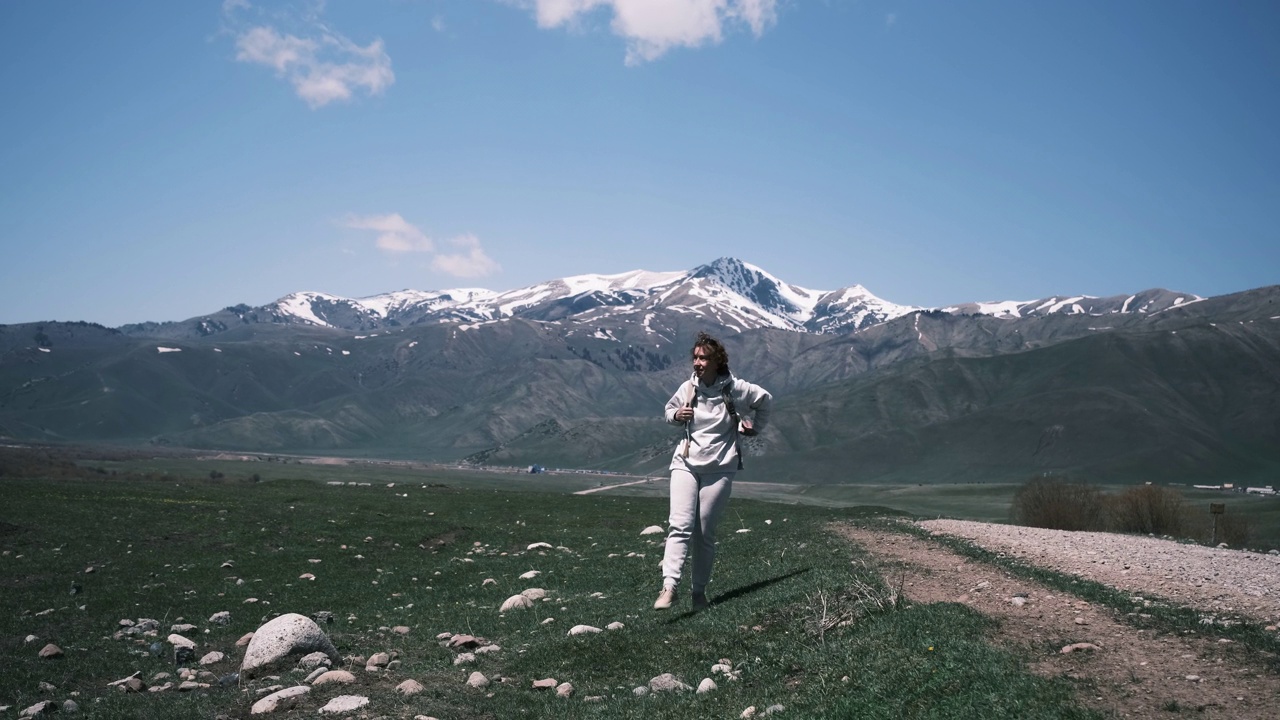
column 471, row 262
column 395, row 234
column 322, row 67
column 652, row 27
column 437, row 23
column 890, row 19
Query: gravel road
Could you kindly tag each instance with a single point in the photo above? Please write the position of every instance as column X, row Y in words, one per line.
column 1215, row 580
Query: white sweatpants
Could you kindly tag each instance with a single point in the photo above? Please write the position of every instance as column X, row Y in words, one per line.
column 697, row 502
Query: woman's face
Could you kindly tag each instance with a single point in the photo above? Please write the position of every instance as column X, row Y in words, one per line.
column 704, row 365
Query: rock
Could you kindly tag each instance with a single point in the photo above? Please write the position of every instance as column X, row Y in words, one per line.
column 614, row 626
column 594, row 699
column 488, row 581
column 774, row 709
column 460, row 641
column 377, row 661
column 50, row 651
column 182, row 628
column 640, row 691
column 281, row 638
column 134, row 685
column 345, row 703
column 69, row 706
column 410, row 687
column 545, row 684
column 1067, row 650
column 245, row 639
column 46, row 687
column 183, row 655
column 583, row 630
column 312, row 661
column 400, row 630
column 488, row 650
column 1193, row 678
column 188, row 686
column 530, row 575
column 45, row 707
column 212, row 658
column 652, row 530
column 749, row 712
column 310, row 678
column 666, row 682
column 464, row 658
column 229, row 680
column 535, row 546
column 306, row 576
column 322, row 616
column 178, row 641
column 477, row 680
column 30, row 639
column 1018, row 601
column 1081, row 621
column 222, row 618
column 707, row 685
column 564, row 690
column 516, row 602
column 534, row 593
column 280, row 700
column 341, row 677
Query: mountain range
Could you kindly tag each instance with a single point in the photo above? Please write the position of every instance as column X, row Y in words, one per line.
column 574, row 372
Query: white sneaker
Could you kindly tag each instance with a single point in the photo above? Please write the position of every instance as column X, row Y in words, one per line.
column 666, row 599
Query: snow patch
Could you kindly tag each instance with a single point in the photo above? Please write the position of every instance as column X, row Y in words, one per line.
column 44, row 349
column 161, row 349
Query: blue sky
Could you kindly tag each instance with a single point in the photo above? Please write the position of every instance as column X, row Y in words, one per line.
column 161, row 160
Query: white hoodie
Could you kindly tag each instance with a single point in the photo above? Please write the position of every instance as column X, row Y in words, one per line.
column 711, row 436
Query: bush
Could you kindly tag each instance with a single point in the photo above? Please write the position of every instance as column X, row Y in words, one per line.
column 1149, row 509
column 1055, row 503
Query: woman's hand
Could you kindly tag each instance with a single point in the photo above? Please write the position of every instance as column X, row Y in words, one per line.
column 684, row 414
column 745, row 428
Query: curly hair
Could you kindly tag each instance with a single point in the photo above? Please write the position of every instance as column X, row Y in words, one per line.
column 715, row 349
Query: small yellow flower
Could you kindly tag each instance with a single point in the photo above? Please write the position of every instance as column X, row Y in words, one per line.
column 930, row 648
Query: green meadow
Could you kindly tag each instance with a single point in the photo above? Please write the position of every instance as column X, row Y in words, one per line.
column 795, row 610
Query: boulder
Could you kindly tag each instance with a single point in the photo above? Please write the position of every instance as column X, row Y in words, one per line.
column 282, row 638
column 280, row 700
column 344, row 703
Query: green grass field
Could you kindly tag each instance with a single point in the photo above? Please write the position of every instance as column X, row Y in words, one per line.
column 418, row 554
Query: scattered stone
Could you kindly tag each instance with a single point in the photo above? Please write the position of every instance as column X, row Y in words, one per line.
column 45, row 707
column 593, row 699
column 652, row 530
column 1193, row 678
column 535, row 546
column 283, row 637
column 534, row 593
column 69, row 706
column 178, row 641
column 774, row 709
column 749, row 712
column 30, row 639
column 564, row 690
column 545, row 683
column 310, row 678
column 547, row 621
column 640, row 691
column 531, row 574
column 188, row 686
column 212, row 658
column 1067, row 650
column 583, row 630
column 345, row 703
column 460, row 641
column 182, row 628
column 488, row 581
column 279, row 700
column 134, row 685
column 666, row 682
column 400, row 630
column 341, row 677
column 50, row 651
column 377, row 662
column 222, row 618
column 323, row 616
column 707, row 685
column 315, row 660
column 46, row 687
column 410, row 687
column 488, row 650
column 1018, row 601
column 444, row 636
column 229, row 680
column 516, row 602
column 464, row 658
column 1081, row 621
column 244, row 639
column 614, row 626
column 478, row 680
column 306, row 576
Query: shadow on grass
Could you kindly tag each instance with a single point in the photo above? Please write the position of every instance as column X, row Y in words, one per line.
column 739, row 592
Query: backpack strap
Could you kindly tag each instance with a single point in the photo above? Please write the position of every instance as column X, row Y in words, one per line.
column 727, row 391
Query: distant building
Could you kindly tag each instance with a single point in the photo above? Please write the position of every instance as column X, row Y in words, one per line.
column 536, row 469
column 1268, row 490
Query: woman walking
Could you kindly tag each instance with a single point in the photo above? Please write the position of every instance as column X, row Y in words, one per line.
column 708, row 406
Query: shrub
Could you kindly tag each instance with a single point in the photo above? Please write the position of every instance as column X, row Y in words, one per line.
column 1149, row 509
column 1055, row 503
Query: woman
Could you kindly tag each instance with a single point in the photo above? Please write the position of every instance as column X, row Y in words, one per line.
column 702, row 469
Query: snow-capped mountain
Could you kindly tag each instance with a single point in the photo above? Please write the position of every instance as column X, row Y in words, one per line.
column 728, row 293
